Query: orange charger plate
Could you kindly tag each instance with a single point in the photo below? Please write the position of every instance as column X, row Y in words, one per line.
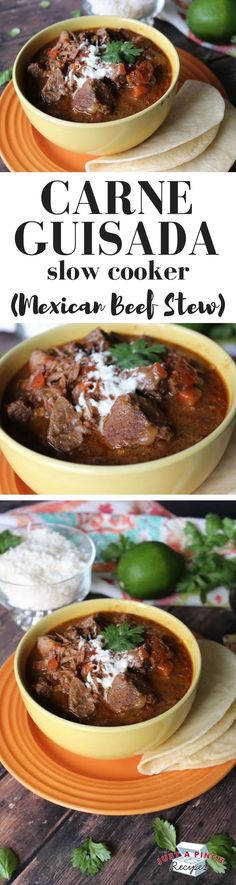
column 23, row 149
column 99, row 787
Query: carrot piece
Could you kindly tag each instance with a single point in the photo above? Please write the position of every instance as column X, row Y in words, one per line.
column 53, row 52
column 53, row 665
column 38, row 380
column 139, row 90
column 189, row 396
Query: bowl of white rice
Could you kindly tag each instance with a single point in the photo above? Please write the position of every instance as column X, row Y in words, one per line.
column 42, row 568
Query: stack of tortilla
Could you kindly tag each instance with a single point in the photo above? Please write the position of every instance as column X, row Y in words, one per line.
column 208, row 735
column 198, row 136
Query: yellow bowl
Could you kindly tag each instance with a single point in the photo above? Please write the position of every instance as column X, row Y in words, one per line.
column 100, row 742
column 176, row 474
column 97, row 138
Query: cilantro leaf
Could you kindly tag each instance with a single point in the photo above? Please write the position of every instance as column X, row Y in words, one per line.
column 123, row 637
column 115, row 549
column 224, row 848
column 14, row 32
column 45, row 3
column 119, row 50
column 217, row 865
column 165, row 834
column 76, row 13
column 8, row 863
column 223, row 332
column 5, row 76
column 207, row 569
column 90, row 857
column 136, row 353
column 8, row 540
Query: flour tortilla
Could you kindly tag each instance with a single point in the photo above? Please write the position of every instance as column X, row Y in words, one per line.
column 206, row 743
column 215, row 696
column 197, row 112
column 221, row 154
column 221, row 750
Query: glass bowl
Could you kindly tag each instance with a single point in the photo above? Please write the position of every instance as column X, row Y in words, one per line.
column 50, row 573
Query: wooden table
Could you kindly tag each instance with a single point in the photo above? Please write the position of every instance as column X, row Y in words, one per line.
column 31, row 18
column 43, row 834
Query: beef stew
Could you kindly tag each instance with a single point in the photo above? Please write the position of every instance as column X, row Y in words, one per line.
column 97, row 75
column 113, row 399
column 109, row 669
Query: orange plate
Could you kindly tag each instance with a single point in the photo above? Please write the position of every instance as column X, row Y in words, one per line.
column 23, row 149
column 113, row 788
column 10, row 483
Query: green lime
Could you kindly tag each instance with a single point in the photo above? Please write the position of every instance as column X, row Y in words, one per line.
column 213, row 20
column 150, row 570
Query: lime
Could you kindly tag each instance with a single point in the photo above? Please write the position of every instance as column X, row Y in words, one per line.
column 213, row 20
column 150, row 570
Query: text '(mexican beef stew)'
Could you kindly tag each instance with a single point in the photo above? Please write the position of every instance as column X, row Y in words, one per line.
column 97, row 76
column 113, row 399
column 109, row 669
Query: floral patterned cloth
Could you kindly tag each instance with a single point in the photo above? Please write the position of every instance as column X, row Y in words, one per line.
column 174, row 11
column 105, row 522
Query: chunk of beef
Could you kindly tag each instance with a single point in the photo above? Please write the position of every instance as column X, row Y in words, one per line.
column 138, row 658
column 54, row 87
column 84, row 98
column 39, row 361
column 80, row 701
column 65, row 431
column 142, row 74
column 151, row 409
column 46, row 645
column 161, row 655
column 19, row 412
column 183, row 374
column 105, row 90
column 95, row 340
column 150, row 379
column 124, row 695
column 88, row 627
column 43, row 400
column 35, row 71
column 42, row 688
column 101, row 36
column 127, row 425
column 65, row 50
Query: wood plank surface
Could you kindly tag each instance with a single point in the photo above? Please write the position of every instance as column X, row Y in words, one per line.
column 43, row 834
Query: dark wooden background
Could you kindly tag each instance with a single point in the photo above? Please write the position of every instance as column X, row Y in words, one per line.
column 30, row 17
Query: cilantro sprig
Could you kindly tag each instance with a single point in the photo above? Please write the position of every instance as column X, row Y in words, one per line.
column 5, row 76
column 129, row 355
column 115, row 549
column 90, row 857
column 8, row 863
column 165, row 834
column 119, row 50
column 8, row 540
column 224, row 848
column 207, row 569
column 123, row 637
